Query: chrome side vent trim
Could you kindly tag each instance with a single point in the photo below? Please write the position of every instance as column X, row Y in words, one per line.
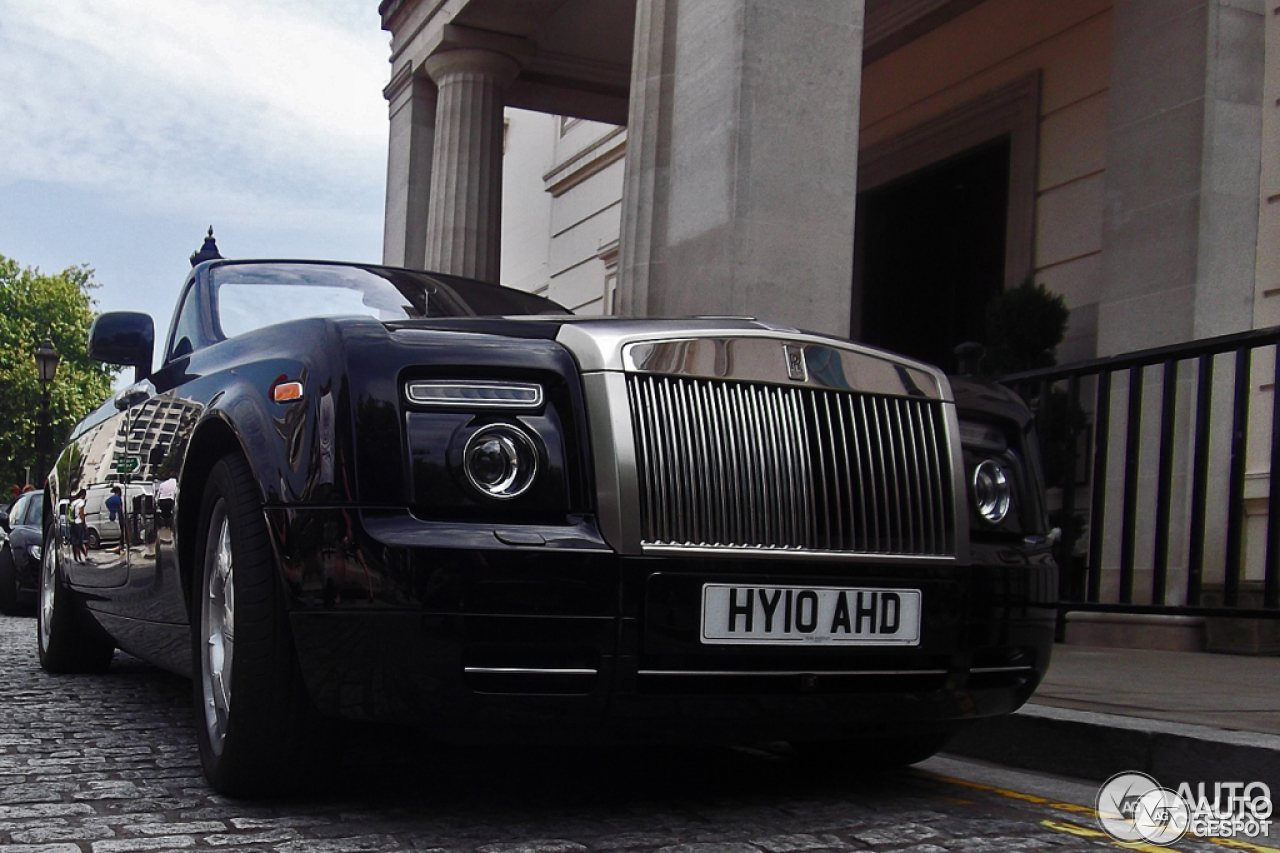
column 729, row 465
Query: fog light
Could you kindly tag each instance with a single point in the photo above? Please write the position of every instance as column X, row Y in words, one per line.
column 501, row 461
column 992, row 491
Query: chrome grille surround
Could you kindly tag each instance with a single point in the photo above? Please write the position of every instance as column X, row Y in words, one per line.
column 707, row 440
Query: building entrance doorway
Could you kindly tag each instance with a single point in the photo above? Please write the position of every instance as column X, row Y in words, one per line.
column 929, row 255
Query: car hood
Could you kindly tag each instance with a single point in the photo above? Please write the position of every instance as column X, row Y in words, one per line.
column 602, row 343
column 548, row 326
column 977, row 395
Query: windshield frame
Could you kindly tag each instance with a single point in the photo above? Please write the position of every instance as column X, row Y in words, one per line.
column 459, row 296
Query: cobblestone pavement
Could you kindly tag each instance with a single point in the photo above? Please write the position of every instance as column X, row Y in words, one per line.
column 108, row 764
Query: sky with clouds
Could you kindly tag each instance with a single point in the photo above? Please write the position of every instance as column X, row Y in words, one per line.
column 127, row 127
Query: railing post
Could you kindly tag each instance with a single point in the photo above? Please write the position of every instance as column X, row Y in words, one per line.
column 1271, row 581
column 1098, row 497
column 1200, row 479
column 1164, row 483
column 1066, row 545
column 1132, row 456
column 1235, row 509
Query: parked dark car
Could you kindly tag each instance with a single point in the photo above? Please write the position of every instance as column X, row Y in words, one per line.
column 20, row 555
column 413, row 497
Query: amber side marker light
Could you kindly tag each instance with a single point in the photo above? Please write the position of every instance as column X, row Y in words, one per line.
column 286, row 392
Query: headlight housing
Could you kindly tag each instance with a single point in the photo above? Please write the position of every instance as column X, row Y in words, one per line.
column 996, row 477
column 479, row 450
column 992, row 491
column 35, row 551
column 500, row 461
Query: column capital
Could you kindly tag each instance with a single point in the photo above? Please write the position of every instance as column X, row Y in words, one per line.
column 487, row 63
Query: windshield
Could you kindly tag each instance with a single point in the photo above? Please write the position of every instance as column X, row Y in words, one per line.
column 252, row 295
column 28, row 510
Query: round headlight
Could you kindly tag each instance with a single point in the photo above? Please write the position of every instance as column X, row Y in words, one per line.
column 501, row 461
column 992, row 491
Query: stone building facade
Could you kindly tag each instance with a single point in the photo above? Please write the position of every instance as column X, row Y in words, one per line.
column 824, row 163
column 1137, row 181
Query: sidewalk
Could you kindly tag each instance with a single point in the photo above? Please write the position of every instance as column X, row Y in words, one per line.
column 1184, row 716
column 1232, row 692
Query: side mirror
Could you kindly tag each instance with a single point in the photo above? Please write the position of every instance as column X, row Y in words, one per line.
column 4, row 520
column 124, row 337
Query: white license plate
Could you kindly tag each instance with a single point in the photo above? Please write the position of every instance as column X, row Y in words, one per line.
column 767, row 615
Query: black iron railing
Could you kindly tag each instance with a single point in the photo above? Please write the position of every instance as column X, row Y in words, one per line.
column 1204, row 387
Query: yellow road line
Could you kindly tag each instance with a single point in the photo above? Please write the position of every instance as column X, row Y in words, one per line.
column 1018, row 795
column 1086, row 832
column 1073, row 829
column 1242, row 845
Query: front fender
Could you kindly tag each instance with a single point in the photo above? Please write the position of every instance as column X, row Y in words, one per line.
column 292, row 447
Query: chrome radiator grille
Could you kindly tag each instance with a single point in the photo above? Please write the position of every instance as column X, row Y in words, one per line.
column 738, row 465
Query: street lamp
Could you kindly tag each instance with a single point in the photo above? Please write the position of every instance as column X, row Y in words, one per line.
column 47, row 364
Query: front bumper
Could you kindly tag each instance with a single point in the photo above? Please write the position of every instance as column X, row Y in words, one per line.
column 482, row 639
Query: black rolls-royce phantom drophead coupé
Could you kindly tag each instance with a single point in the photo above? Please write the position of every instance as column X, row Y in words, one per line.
column 354, row 491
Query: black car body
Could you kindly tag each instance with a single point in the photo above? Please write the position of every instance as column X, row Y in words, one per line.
column 20, row 554
column 475, row 512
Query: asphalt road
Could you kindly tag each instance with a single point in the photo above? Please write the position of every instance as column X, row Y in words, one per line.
column 107, row 764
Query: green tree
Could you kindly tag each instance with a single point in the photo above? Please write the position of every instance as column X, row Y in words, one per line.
column 33, row 306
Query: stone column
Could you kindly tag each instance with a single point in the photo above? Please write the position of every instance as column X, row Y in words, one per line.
column 464, row 221
column 645, row 175
column 1180, row 223
column 1180, row 231
column 412, row 100
column 742, row 162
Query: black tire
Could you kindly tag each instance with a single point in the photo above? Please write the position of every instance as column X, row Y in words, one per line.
column 8, row 582
column 92, row 539
column 258, row 731
column 883, row 753
column 67, row 641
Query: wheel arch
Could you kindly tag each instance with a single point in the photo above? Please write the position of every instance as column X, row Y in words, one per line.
column 210, row 441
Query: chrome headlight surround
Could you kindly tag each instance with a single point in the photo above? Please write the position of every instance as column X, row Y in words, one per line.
column 994, row 476
column 500, row 461
column 992, row 491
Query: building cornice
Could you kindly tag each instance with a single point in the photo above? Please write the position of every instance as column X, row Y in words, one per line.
column 595, row 158
column 399, row 79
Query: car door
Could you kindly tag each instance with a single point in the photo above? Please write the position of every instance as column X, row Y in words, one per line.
column 99, row 450
column 26, row 533
column 137, row 439
column 159, row 430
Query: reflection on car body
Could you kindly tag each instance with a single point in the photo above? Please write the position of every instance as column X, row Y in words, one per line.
column 454, row 504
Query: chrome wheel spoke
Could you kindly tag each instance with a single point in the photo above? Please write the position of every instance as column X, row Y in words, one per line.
column 218, row 632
